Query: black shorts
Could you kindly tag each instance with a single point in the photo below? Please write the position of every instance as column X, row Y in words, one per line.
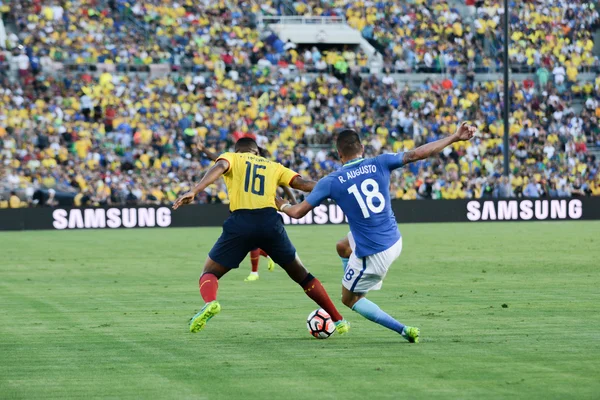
column 246, row 230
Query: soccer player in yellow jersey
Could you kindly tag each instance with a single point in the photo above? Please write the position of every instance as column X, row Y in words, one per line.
column 255, row 254
column 252, row 182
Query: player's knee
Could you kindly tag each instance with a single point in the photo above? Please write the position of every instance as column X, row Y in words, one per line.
column 214, row 268
column 347, row 302
column 343, row 248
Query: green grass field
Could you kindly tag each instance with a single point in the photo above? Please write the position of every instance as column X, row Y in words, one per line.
column 506, row 310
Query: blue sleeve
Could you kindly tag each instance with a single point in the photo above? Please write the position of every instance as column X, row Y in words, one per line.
column 391, row 161
column 321, row 191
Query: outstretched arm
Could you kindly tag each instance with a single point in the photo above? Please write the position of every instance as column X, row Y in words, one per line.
column 212, row 175
column 464, row 132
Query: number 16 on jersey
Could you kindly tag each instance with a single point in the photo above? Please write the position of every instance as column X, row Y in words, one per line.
column 250, row 182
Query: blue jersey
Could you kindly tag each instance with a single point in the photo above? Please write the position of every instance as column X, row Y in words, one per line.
column 362, row 190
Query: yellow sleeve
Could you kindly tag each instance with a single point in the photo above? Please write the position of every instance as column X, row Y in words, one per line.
column 230, row 158
column 286, row 175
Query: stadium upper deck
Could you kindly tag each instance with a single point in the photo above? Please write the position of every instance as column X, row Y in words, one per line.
column 420, row 35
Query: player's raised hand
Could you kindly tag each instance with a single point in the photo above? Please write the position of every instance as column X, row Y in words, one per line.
column 187, row 198
column 465, row 131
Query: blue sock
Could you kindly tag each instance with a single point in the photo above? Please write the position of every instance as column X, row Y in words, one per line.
column 372, row 312
column 344, row 262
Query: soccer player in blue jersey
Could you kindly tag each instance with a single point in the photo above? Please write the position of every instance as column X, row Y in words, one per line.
column 361, row 189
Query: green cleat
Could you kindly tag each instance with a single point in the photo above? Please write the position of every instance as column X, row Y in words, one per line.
column 198, row 321
column 411, row 334
column 342, row 327
column 252, row 277
column 270, row 264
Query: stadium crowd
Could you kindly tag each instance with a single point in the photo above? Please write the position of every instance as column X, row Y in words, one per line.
column 118, row 138
column 430, row 35
column 552, row 34
column 195, row 36
column 121, row 139
column 414, row 36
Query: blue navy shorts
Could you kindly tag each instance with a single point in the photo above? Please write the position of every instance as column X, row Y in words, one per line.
column 246, row 230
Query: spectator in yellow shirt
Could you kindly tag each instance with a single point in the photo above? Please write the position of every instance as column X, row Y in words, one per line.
column 14, row 201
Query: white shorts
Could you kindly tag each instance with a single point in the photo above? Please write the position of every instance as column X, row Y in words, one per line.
column 367, row 273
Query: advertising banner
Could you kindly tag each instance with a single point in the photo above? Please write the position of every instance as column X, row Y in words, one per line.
column 585, row 208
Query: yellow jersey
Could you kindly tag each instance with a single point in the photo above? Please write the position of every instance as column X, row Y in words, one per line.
column 252, row 180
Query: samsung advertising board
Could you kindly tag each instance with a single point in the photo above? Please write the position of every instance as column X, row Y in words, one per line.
column 587, row 208
column 321, row 215
column 86, row 218
column 524, row 210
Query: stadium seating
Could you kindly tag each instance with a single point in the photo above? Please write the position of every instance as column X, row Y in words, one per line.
column 544, row 34
column 426, row 35
column 415, row 36
column 119, row 138
column 85, row 32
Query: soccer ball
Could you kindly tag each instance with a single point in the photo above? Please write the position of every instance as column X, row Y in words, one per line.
column 320, row 324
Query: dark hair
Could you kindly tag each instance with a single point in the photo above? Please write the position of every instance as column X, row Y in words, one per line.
column 246, row 144
column 348, row 143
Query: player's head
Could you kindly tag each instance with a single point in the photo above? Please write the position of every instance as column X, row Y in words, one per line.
column 349, row 145
column 247, row 145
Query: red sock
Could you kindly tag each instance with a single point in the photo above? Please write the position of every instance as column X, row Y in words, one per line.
column 318, row 294
column 263, row 253
column 209, row 284
column 254, row 257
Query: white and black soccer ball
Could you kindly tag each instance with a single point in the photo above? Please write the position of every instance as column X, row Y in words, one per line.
column 320, row 324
